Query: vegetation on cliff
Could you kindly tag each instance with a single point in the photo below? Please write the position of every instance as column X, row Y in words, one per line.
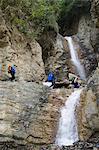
column 70, row 14
column 32, row 16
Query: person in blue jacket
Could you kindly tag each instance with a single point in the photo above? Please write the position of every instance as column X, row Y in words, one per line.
column 12, row 71
column 51, row 78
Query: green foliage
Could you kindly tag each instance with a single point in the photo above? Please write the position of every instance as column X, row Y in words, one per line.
column 67, row 6
column 37, row 14
column 21, row 24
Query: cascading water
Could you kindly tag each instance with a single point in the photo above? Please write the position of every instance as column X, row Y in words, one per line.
column 67, row 133
column 75, row 59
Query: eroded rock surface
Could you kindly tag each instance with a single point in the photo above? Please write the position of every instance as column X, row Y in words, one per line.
column 87, row 115
column 20, row 107
column 29, row 112
column 56, row 54
column 88, row 33
column 88, row 108
column 93, row 83
column 16, row 49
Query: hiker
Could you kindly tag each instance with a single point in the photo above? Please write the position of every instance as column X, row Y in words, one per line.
column 51, row 78
column 11, row 70
column 75, row 83
column 73, row 79
column 71, row 76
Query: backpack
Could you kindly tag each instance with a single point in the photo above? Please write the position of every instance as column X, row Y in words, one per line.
column 51, row 77
column 9, row 69
column 13, row 69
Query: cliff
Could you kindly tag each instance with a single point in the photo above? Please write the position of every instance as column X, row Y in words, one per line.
column 29, row 111
column 16, row 49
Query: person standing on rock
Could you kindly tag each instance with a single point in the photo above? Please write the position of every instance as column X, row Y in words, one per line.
column 12, row 71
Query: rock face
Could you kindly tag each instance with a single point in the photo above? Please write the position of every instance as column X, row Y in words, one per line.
column 24, row 53
column 88, row 111
column 87, row 145
column 95, row 32
column 70, row 15
column 88, row 33
column 93, row 83
column 84, row 34
column 88, row 115
column 25, row 114
column 56, row 55
column 29, row 112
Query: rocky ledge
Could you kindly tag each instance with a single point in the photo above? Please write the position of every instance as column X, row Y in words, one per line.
column 90, row 144
column 29, row 112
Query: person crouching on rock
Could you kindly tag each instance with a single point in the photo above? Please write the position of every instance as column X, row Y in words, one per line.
column 75, row 83
column 51, row 78
column 11, row 70
column 50, row 82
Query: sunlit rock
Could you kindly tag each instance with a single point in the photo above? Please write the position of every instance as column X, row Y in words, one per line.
column 18, row 50
column 88, row 115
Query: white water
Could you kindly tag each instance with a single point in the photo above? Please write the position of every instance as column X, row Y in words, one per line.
column 67, row 133
column 75, row 59
column 47, row 84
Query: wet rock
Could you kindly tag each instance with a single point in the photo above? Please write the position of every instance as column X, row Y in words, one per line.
column 87, row 115
column 29, row 112
column 85, row 29
column 93, row 83
column 55, row 54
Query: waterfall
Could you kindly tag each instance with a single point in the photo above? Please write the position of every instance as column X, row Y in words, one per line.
column 75, row 59
column 67, row 133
